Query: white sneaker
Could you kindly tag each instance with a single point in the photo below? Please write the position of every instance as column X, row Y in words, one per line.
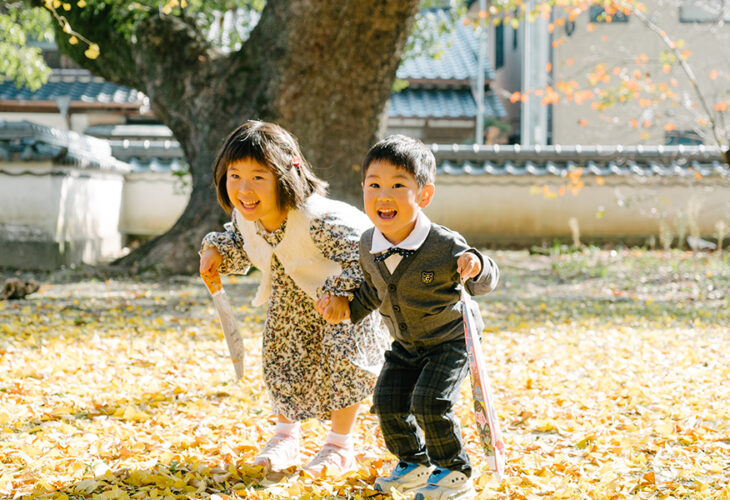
column 332, row 458
column 446, row 484
column 281, row 452
column 405, row 476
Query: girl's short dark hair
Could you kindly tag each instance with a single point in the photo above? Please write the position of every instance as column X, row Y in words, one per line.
column 276, row 149
column 404, row 152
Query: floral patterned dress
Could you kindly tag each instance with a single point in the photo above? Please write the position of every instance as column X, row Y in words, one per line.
column 311, row 367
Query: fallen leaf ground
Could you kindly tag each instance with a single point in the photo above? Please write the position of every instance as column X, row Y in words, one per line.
column 611, row 371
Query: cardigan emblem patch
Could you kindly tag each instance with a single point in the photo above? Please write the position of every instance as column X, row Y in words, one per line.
column 427, row 276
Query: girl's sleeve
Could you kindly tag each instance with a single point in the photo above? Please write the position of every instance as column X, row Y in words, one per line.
column 229, row 244
column 339, row 242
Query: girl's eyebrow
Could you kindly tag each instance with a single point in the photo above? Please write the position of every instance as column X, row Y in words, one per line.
column 234, row 166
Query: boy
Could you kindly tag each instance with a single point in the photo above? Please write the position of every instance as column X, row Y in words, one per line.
column 412, row 269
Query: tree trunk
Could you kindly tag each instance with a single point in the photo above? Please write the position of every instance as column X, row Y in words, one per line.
column 323, row 70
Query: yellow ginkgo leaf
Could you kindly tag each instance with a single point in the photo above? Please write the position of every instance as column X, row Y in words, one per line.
column 92, row 52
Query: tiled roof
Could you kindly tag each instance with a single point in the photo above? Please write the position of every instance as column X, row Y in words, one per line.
column 79, row 85
column 130, row 131
column 410, row 102
column 156, row 164
column 442, row 103
column 683, row 161
column 457, row 61
column 156, row 156
column 145, row 148
column 26, row 141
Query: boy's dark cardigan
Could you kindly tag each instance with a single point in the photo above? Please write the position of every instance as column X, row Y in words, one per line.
column 420, row 302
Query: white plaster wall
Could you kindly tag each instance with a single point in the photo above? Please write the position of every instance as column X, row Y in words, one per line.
column 79, row 207
column 503, row 209
column 79, row 121
column 54, row 120
column 152, row 202
column 29, row 201
column 89, row 209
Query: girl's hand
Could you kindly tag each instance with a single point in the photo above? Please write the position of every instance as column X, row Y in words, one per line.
column 334, row 309
column 210, row 261
column 468, row 265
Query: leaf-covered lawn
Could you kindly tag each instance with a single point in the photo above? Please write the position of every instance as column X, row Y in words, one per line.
column 611, row 371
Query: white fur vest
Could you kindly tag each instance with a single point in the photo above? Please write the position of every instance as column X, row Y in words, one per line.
column 303, row 262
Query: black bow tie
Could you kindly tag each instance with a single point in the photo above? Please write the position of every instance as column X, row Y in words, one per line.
column 400, row 251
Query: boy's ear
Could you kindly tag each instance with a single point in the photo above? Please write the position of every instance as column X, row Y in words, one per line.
column 426, row 195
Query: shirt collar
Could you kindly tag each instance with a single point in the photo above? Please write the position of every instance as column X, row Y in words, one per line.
column 412, row 242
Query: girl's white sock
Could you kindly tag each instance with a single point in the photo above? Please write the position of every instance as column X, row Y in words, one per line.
column 290, row 429
column 341, row 440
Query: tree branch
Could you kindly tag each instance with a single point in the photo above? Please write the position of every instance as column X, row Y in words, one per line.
column 686, row 69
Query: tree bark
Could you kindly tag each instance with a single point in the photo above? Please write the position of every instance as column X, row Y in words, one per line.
column 323, row 70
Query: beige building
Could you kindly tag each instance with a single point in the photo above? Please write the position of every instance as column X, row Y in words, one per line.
column 623, row 57
column 628, row 60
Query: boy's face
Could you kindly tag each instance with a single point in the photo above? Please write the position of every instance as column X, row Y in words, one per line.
column 393, row 199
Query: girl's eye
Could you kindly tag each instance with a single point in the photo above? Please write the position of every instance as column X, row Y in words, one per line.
column 399, row 185
column 232, row 175
column 374, row 185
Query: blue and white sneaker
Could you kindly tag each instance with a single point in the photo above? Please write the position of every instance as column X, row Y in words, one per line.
column 404, row 477
column 446, row 484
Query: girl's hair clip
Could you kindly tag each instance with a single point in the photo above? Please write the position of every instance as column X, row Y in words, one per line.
column 296, row 162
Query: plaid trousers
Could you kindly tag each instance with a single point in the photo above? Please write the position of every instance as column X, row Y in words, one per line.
column 414, row 400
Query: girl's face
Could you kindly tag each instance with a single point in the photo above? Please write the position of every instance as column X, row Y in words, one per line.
column 252, row 190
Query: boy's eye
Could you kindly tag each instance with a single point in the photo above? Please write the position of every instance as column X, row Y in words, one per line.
column 374, row 185
column 399, row 185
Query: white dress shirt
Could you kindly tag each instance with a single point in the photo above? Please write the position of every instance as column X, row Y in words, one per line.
column 412, row 242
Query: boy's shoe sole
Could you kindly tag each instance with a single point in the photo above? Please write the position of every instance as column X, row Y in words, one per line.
column 439, row 495
column 447, row 485
column 402, row 485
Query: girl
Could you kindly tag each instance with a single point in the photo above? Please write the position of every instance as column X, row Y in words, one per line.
column 305, row 245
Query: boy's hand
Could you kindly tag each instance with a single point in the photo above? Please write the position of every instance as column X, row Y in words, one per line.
column 210, row 261
column 468, row 265
column 333, row 308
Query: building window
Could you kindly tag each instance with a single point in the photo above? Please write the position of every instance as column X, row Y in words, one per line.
column 598, row 14
column 499, row 46
column 704, row 11
column 682, row 138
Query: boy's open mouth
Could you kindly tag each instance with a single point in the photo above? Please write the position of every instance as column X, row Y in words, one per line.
column 387, row 214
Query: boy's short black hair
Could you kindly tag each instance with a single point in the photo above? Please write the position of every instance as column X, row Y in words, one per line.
column 278, row 150
column 404, row 152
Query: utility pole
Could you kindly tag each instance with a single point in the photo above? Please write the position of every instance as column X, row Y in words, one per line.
column 482, row 63
column 535, row 55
